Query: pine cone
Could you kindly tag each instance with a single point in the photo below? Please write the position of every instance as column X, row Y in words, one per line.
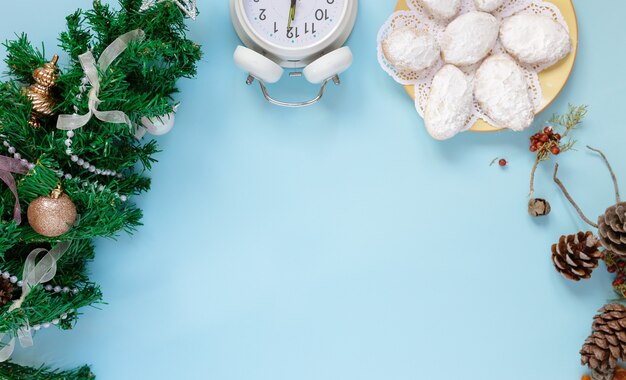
column 538, row 207
column 612, row 229
column 6, row 291
column 576, row 256
column 607, row 342
column 597, row 375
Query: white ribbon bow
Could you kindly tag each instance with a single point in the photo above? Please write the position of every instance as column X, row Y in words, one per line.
column 33, row 275
column 88, row 62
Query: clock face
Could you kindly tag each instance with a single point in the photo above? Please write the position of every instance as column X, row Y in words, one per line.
column 312, row 21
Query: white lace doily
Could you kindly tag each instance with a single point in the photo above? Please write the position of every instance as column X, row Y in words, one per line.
column 418, row 17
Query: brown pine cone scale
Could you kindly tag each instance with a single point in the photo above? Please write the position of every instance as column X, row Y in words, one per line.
column 612, row 229
column 576, row 256
column 598, row 375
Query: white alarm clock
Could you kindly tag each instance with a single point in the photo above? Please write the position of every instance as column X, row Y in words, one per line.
column 305, row 36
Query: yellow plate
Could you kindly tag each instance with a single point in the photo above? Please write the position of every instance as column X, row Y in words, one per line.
column 552, row 79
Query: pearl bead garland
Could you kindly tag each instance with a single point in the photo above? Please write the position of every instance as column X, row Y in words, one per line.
column 49, row 288
column 84, row 183
column 16, row 155
column 54, row 322
column 84, row 163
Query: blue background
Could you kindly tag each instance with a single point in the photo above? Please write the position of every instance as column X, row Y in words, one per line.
column 340, row 241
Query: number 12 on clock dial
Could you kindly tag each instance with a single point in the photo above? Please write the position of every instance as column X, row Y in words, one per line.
column 294, row 23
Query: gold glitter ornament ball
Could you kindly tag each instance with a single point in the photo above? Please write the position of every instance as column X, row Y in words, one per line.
column 52, row 216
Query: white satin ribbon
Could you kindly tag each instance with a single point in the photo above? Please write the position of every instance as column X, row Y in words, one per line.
column 90, row 67
column 35, row 273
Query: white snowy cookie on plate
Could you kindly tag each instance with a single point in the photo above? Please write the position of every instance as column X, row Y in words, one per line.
column 488, row 5
column 535, row 39
column 469, row 38
column 411, row 49
column 442, row 9
column 501, row 90
column 449, row 104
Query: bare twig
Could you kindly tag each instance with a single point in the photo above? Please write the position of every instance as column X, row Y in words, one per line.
column 532, row 176
column 606, row 161
column 570, row 199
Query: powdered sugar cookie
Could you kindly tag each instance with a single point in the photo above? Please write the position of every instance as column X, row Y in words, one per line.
column 442, row 9
column 535, row 39
column 488, row 5
column 449, row 104
column 411, row 49
column 469, row 38
column 501, row 90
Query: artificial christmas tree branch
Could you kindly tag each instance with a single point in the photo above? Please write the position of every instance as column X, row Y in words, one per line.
column 94, row 169
column 11, row 371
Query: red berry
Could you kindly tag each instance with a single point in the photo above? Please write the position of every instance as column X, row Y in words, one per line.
column 621, row 264
column 615, row 283
column 540, row 144
column 544, row 138
column 547, row 130
column 611, row 268
column 555, row 150
column 502, row 162
column 557, row 136
column 533, row 148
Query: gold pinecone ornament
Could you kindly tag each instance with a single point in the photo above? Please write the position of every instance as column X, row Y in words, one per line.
column 576, row 256
column 6, row 291
column 607, row 343
column 612, row 229
column 40, row 93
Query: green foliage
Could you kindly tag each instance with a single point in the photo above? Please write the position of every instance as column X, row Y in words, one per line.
column 11, row 371
column 24, row 57
column 141, row 83
column 570, row 120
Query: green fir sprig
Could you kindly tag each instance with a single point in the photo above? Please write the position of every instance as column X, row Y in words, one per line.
column 11, row 371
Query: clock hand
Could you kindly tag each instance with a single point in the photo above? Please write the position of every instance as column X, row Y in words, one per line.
column 292, row 13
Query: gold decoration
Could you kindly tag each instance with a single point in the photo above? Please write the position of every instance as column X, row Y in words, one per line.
column 39, row 93
column 52, row 216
